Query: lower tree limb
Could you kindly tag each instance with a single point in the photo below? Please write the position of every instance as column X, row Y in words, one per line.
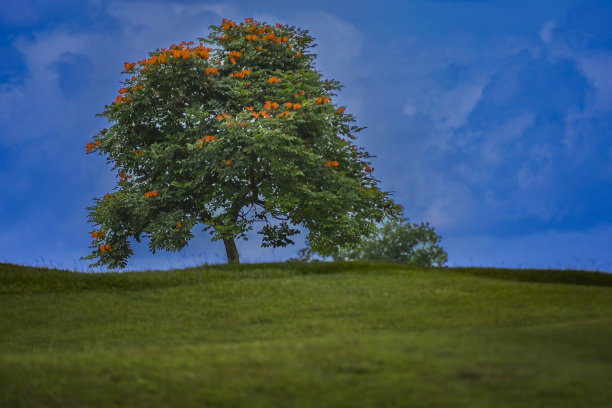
column 231, row 251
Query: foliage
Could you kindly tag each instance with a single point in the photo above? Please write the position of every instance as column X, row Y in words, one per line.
column 241, row 133
column 398, row 241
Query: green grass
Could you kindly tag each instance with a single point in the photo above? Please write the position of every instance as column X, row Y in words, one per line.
column 305, row 335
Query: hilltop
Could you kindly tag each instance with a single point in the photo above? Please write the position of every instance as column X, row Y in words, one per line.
column 305, row 334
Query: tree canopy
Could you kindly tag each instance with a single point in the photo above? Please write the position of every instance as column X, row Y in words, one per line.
column 399, row 241
column 236, row 131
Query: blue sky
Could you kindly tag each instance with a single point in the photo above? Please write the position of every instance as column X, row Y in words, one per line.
column 492, row 120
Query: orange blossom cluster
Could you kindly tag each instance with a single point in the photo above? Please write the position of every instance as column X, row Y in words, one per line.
column 92, row 145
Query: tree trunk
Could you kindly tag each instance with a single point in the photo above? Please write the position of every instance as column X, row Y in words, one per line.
column 231, row 251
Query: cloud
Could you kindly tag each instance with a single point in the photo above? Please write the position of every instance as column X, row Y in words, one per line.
column 222, row 10
column 583, row 35
column 449, row 109
column 38, row 91
column 547, row 30
column 491, row 151
column 339, row 43
column 150, row 26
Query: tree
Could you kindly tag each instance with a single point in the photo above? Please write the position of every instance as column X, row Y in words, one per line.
column 398, row 241
column 229, row 136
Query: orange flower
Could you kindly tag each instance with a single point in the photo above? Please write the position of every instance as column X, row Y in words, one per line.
column 228, row 162
column 179, row 224
column 210, row 138
column 319, row 100
column 369, row 169
column 122, row 91
column 298, row 55
column 340, row 110
column 274, row 105
column 215, row 71
column 208, row 71
column 136, row 152
column 325, row 100
column 102, row 248
column 274, row 80
column 289, row 105
column 259, row 48
column 296, row 106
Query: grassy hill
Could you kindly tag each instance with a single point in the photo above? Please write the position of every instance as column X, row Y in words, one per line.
column 305, row 335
